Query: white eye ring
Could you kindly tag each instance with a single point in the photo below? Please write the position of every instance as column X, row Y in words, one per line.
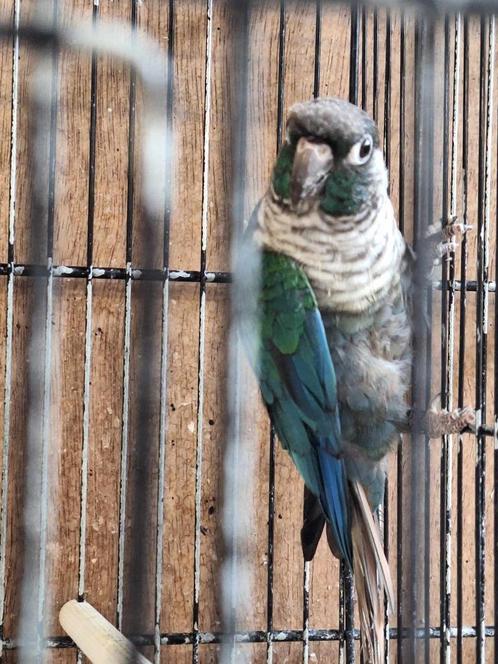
column 361, row 152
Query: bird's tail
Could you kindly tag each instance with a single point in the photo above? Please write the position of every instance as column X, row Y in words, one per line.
column 372, row 576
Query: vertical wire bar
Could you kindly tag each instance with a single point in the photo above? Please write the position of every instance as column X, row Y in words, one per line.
column 85, row 443
column 307, row 564
column 237, row 484
column 375, row 82
column 401, row 118
column 418, row 457
column 33, row 585
column 7, row 395
column 86, row 436
column 495, row 453
column 346, row 611
column 51, row 109
column 354, row 53
column 399, row 464
column 427, row 164
column 484, row 182
column 446, row 440
column 341, row 616
column 123, row 481
column 163, row 415
column 318, row 41
column 202, row 328
column 47, row 377
column 349, row 615
column 445, row 468
column 462, row 336
column 387, row 158
column 271, row 532
column 448, row 332
column 364, row 79
column 306, row 611
column 272, row 450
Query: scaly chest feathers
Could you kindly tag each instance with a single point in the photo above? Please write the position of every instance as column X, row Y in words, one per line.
column 351, row 262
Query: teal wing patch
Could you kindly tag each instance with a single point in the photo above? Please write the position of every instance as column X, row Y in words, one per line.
column 298, row 385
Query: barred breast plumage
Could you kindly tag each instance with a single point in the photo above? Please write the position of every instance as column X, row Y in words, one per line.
column 352, row 262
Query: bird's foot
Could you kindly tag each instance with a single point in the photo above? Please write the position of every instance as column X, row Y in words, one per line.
column 439, row 423
column 444, row 236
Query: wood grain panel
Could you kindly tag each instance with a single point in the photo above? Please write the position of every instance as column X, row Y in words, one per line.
column 51, row 656
column 324, row 588
column 473, row 144
column 72, row 145
column 3, row 360
column 406, row 188
column 221, row 136
column 209, row 654
column 111, row 158
column 262, row 140
column 214, row 421
column 23, row 301
column 253, row 653
column 60, row 656
column 140, row 522
column 334, row 50
column 106, row 401
column 151, row 21
column 3, row 354
column 6, row 56
column 190, row 27
column 290, row 653
column 393, row 127
column 323, row 652
column 25, row 252
column 179, row 501
column 174, row 654
column 66, row 433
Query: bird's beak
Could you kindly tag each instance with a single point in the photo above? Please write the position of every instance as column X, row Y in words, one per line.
column 312, row 161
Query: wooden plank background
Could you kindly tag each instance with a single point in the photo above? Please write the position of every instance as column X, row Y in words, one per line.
column 202, row 72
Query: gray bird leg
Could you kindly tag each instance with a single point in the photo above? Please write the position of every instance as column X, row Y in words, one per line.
column 439, row 423
column 436, row 423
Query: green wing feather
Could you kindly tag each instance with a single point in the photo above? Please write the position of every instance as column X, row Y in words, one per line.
column 298, row 385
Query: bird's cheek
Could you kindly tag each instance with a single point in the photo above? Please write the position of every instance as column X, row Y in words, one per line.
column 343, row 195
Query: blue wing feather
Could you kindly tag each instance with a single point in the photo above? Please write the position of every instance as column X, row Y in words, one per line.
column 300, row 392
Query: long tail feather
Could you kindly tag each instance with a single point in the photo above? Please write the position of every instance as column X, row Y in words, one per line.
column 313, row 524
column 372, row 577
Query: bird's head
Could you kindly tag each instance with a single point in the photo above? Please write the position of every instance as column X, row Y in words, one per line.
column 331, row 158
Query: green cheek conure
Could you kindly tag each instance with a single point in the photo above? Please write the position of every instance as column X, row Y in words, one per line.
column 335, row 343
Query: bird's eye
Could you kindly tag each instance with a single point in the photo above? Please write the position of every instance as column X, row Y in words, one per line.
column 361, row 152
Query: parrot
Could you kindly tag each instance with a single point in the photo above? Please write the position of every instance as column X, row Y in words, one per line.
column 334, row 343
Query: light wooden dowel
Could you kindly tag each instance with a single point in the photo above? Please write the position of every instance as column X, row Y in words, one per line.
column 100, row 641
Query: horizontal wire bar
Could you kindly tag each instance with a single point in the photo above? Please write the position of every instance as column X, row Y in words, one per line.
column 194, row 276
column 135, row 274
column 260, row 636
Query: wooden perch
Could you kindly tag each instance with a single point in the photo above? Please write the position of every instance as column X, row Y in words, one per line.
column 100, row 641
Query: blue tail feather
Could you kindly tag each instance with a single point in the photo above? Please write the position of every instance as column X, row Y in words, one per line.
column 335, row 502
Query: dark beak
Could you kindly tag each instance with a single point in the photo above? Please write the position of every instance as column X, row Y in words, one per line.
column 312, row 161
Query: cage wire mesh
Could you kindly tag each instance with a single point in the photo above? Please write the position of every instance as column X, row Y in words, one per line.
column 138, row 470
